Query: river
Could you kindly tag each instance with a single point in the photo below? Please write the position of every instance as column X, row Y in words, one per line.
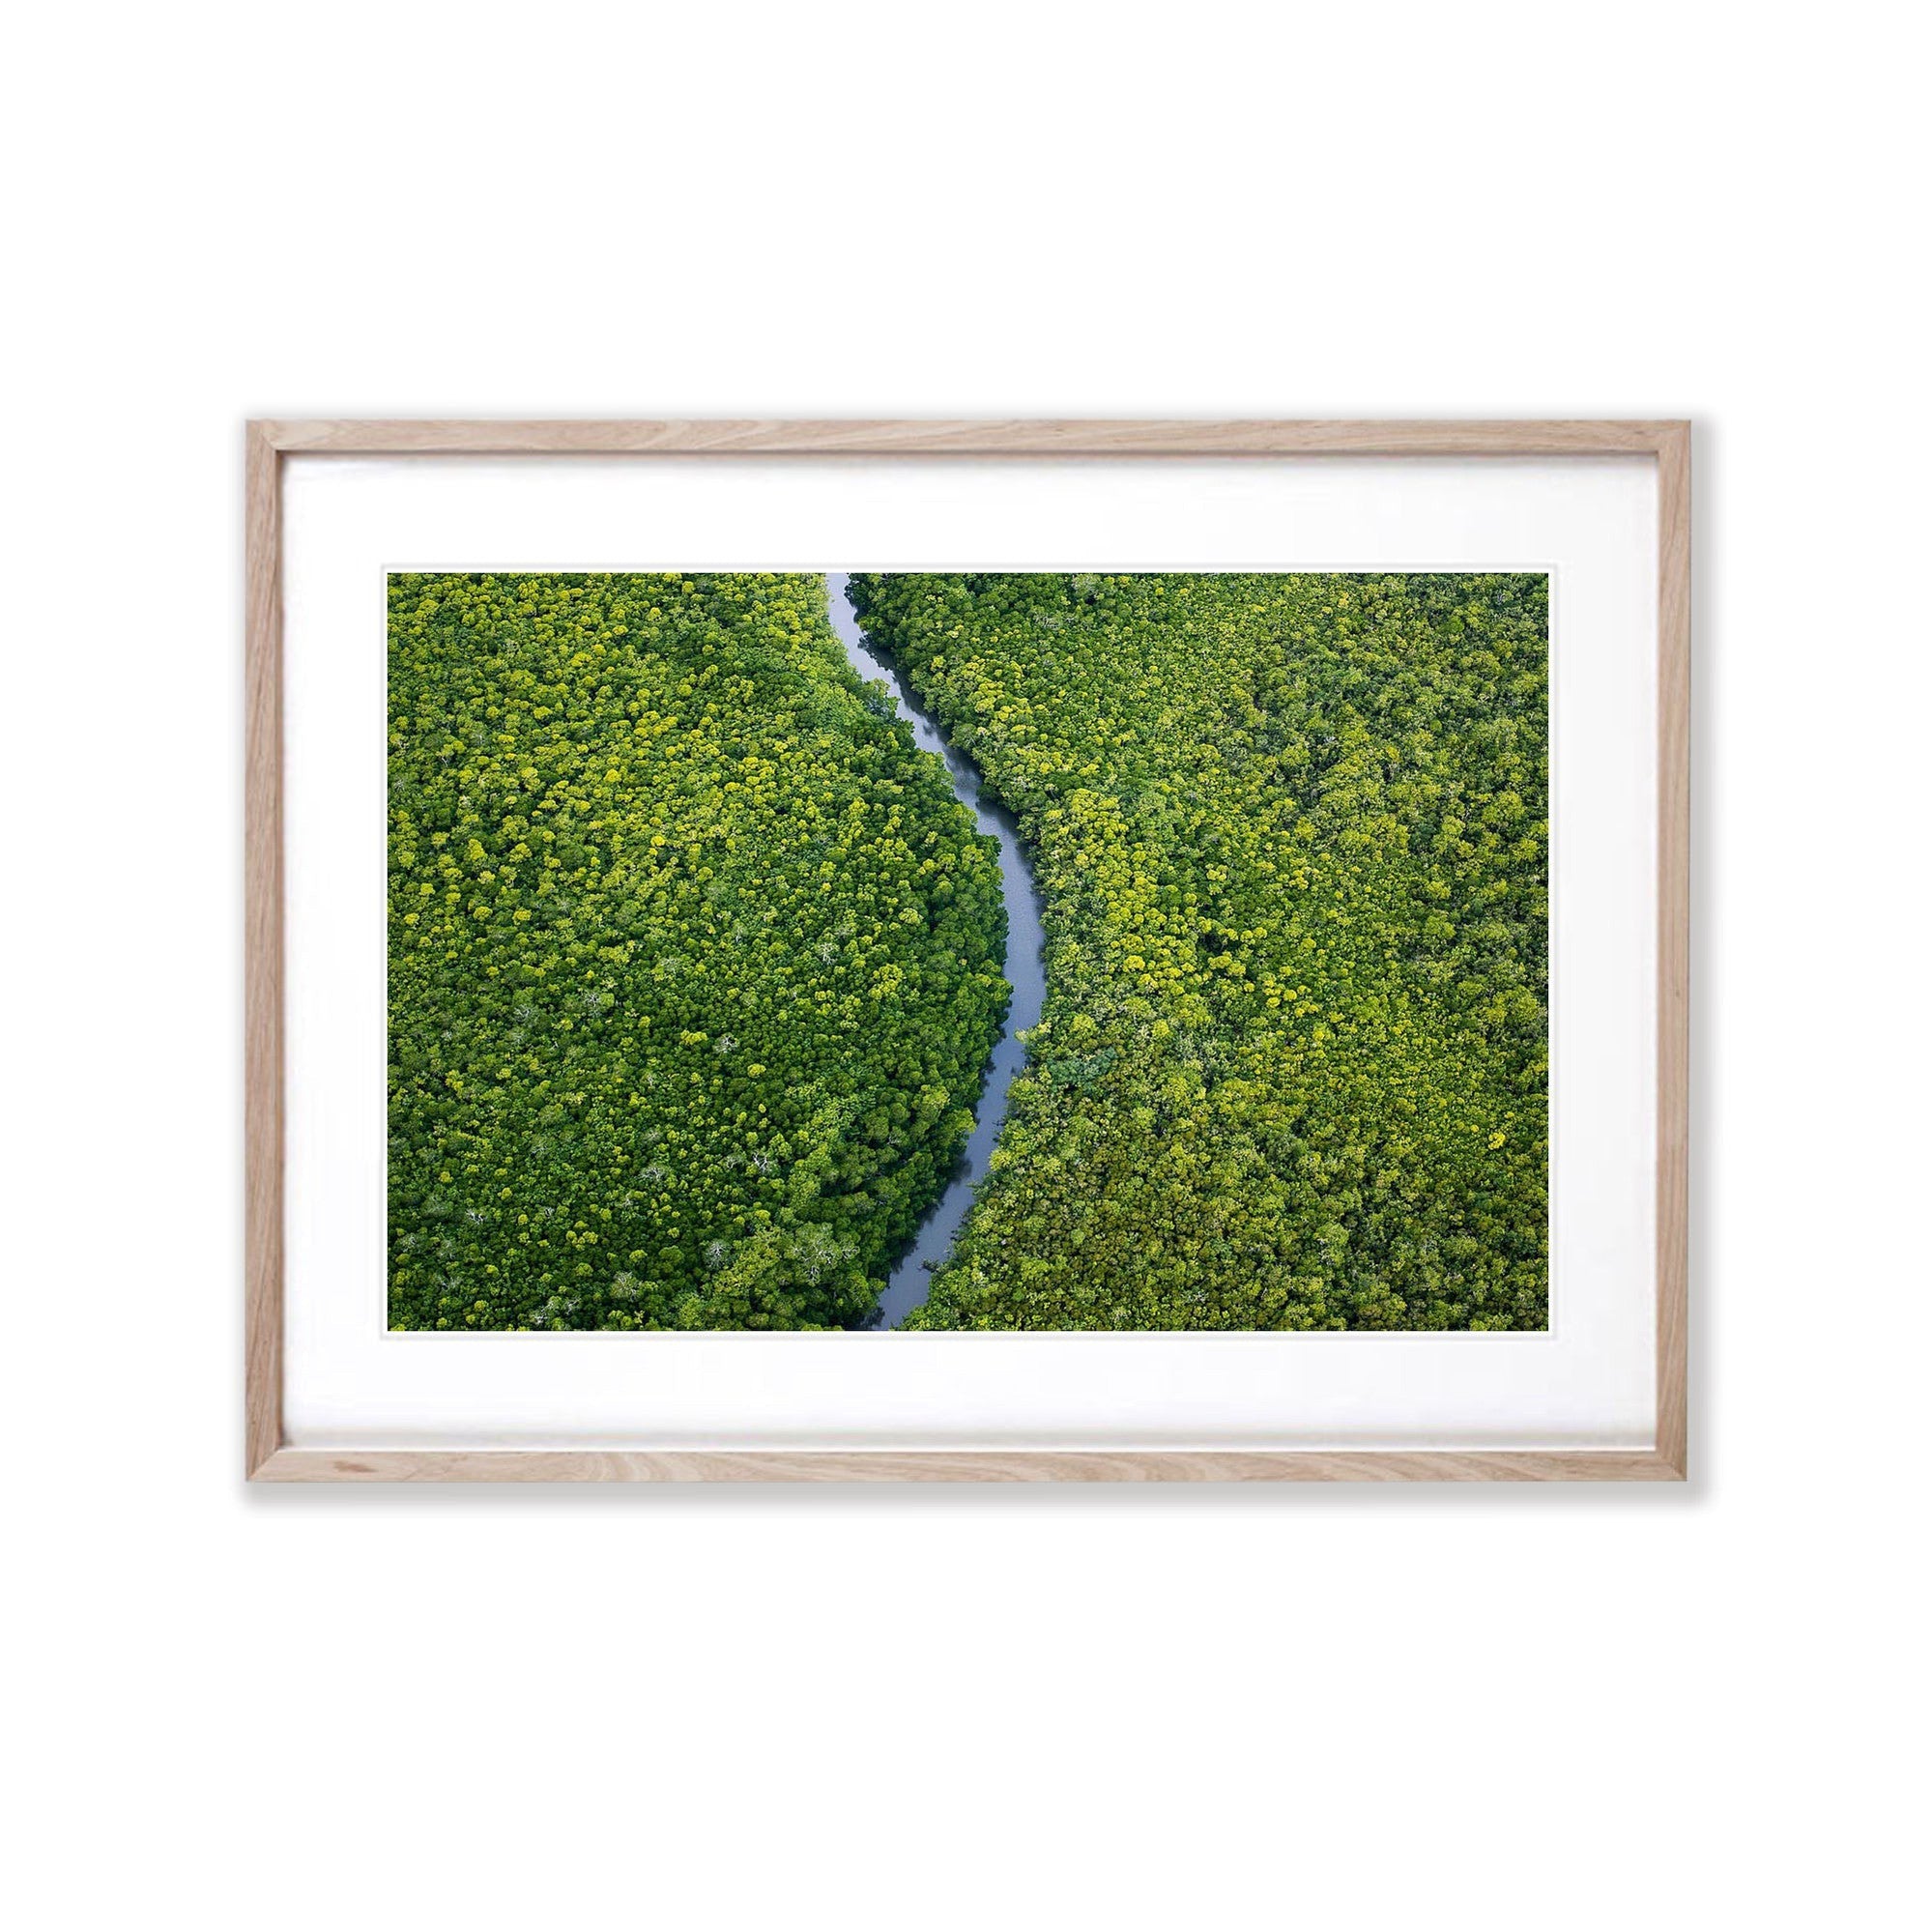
column 1026, row 969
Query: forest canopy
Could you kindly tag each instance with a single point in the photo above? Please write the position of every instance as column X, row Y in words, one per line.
column 694, row 959
column 1291, row 835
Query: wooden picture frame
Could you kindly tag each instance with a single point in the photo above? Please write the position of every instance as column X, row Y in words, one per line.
column 268, row 1457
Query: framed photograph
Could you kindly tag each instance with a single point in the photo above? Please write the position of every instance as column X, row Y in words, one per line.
column 966, row 951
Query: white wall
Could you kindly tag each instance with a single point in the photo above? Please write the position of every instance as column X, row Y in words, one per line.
column 1333, row 1709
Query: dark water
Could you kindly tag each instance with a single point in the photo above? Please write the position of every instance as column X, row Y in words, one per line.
column 1024, row 968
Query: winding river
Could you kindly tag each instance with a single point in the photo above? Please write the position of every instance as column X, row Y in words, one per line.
column 1026, row 969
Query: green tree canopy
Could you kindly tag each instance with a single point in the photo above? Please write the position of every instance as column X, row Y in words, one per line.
column 694, row 959
column 1290, row 836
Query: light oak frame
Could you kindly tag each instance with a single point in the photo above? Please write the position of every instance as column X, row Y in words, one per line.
column 270, row 1459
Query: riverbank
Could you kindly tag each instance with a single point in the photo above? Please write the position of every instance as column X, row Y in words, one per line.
column 1026, row 969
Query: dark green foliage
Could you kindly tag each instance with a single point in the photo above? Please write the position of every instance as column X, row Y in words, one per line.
column 1289, row 832
column 694, row 960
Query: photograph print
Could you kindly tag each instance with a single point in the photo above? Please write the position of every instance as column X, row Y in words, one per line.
column 955, row 950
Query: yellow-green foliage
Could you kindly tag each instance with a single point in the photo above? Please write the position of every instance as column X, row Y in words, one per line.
column 1289, row 832
column 694, row 960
